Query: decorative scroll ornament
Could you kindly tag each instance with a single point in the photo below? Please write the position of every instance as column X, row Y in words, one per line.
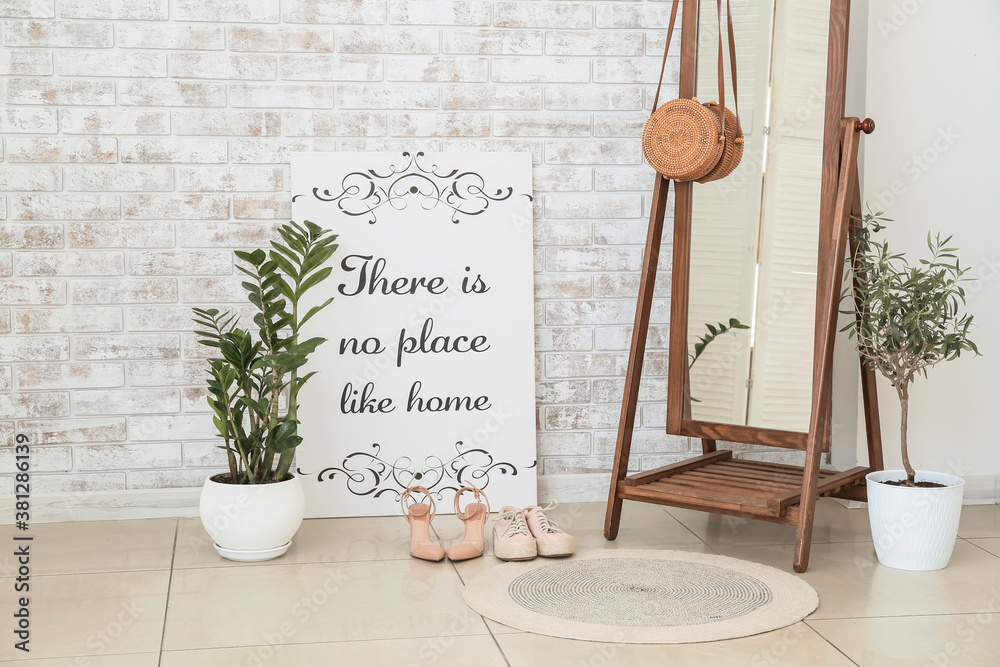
column 367, row 474
column 362, row 193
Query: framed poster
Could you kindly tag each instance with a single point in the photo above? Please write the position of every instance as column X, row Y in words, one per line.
column 427, row 375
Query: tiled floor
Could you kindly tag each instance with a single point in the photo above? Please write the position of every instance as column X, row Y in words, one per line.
column 154, row 592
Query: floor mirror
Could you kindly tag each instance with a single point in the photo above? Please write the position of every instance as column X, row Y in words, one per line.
column 757, row 268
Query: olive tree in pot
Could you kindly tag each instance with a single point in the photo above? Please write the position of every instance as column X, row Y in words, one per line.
column 252, row 511
column 909, row 318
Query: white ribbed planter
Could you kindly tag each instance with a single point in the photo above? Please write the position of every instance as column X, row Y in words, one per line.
column 252, row 522
column 914, row 528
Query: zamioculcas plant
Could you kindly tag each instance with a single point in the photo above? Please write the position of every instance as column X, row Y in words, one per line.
column 907, row 318
column 254, row 372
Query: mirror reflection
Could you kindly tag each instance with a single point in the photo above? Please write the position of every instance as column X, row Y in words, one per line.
column 755, row 234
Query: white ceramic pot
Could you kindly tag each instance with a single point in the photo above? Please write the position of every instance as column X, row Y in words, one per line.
column 252, row 522
column 914, row 528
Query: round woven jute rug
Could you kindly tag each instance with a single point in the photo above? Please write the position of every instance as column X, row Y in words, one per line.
column 641, row 597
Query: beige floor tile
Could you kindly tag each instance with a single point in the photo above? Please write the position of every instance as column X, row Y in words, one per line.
column 95, row 546
column 500, row 628
column 794, row 646
column 317, row 541
column 643, row 526
column 833, row 523
column 962, row 640
column 851, row 583
column 980, row 521
column 316, row 602
column 991, row 544
column 90, row 614
column 443, row 651
column 129, row 660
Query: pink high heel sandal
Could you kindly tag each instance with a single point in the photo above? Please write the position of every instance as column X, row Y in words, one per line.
column 419, row 516
column 474, row 517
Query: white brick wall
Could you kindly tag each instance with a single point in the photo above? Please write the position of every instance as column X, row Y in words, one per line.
column 143, row 140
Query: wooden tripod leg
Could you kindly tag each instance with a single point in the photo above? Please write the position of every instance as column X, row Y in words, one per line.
column 869, row 390
column 830, row 275
column 633, row 374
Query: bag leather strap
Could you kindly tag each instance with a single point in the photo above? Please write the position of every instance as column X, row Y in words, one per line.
column 666, row 49
column 721, row 73
column 732, row 57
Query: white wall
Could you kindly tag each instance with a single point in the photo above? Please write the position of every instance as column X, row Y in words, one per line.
column 933, row 89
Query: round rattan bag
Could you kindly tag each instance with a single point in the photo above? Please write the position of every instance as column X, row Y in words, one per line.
column 732, row 153
column 683, row 140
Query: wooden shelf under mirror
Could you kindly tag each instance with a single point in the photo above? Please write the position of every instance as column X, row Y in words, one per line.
column 774, row 396
column 717, row 482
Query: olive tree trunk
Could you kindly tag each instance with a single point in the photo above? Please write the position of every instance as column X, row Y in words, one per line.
column 904, row 404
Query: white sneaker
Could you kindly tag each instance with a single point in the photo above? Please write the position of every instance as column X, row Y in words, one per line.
column 552, row 541
column 511, row 538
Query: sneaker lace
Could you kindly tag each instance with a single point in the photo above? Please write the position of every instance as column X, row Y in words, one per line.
column 545, row 523
column 517, row 525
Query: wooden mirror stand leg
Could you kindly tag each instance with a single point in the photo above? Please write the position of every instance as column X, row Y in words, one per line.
column 831, row 276
column 633, row 372
column 797, row 506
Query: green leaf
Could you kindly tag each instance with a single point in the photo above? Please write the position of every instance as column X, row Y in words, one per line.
column 285, row 251
column 287, row 443
column 285, row 265
column 318, row 258
column 314, row 229
column 295, row 242
column 302, row 232
column 314, row 279
column 255, row 258
column 314, row 310
column 309, row 346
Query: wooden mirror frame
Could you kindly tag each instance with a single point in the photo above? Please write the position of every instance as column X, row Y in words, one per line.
column 677, row 390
